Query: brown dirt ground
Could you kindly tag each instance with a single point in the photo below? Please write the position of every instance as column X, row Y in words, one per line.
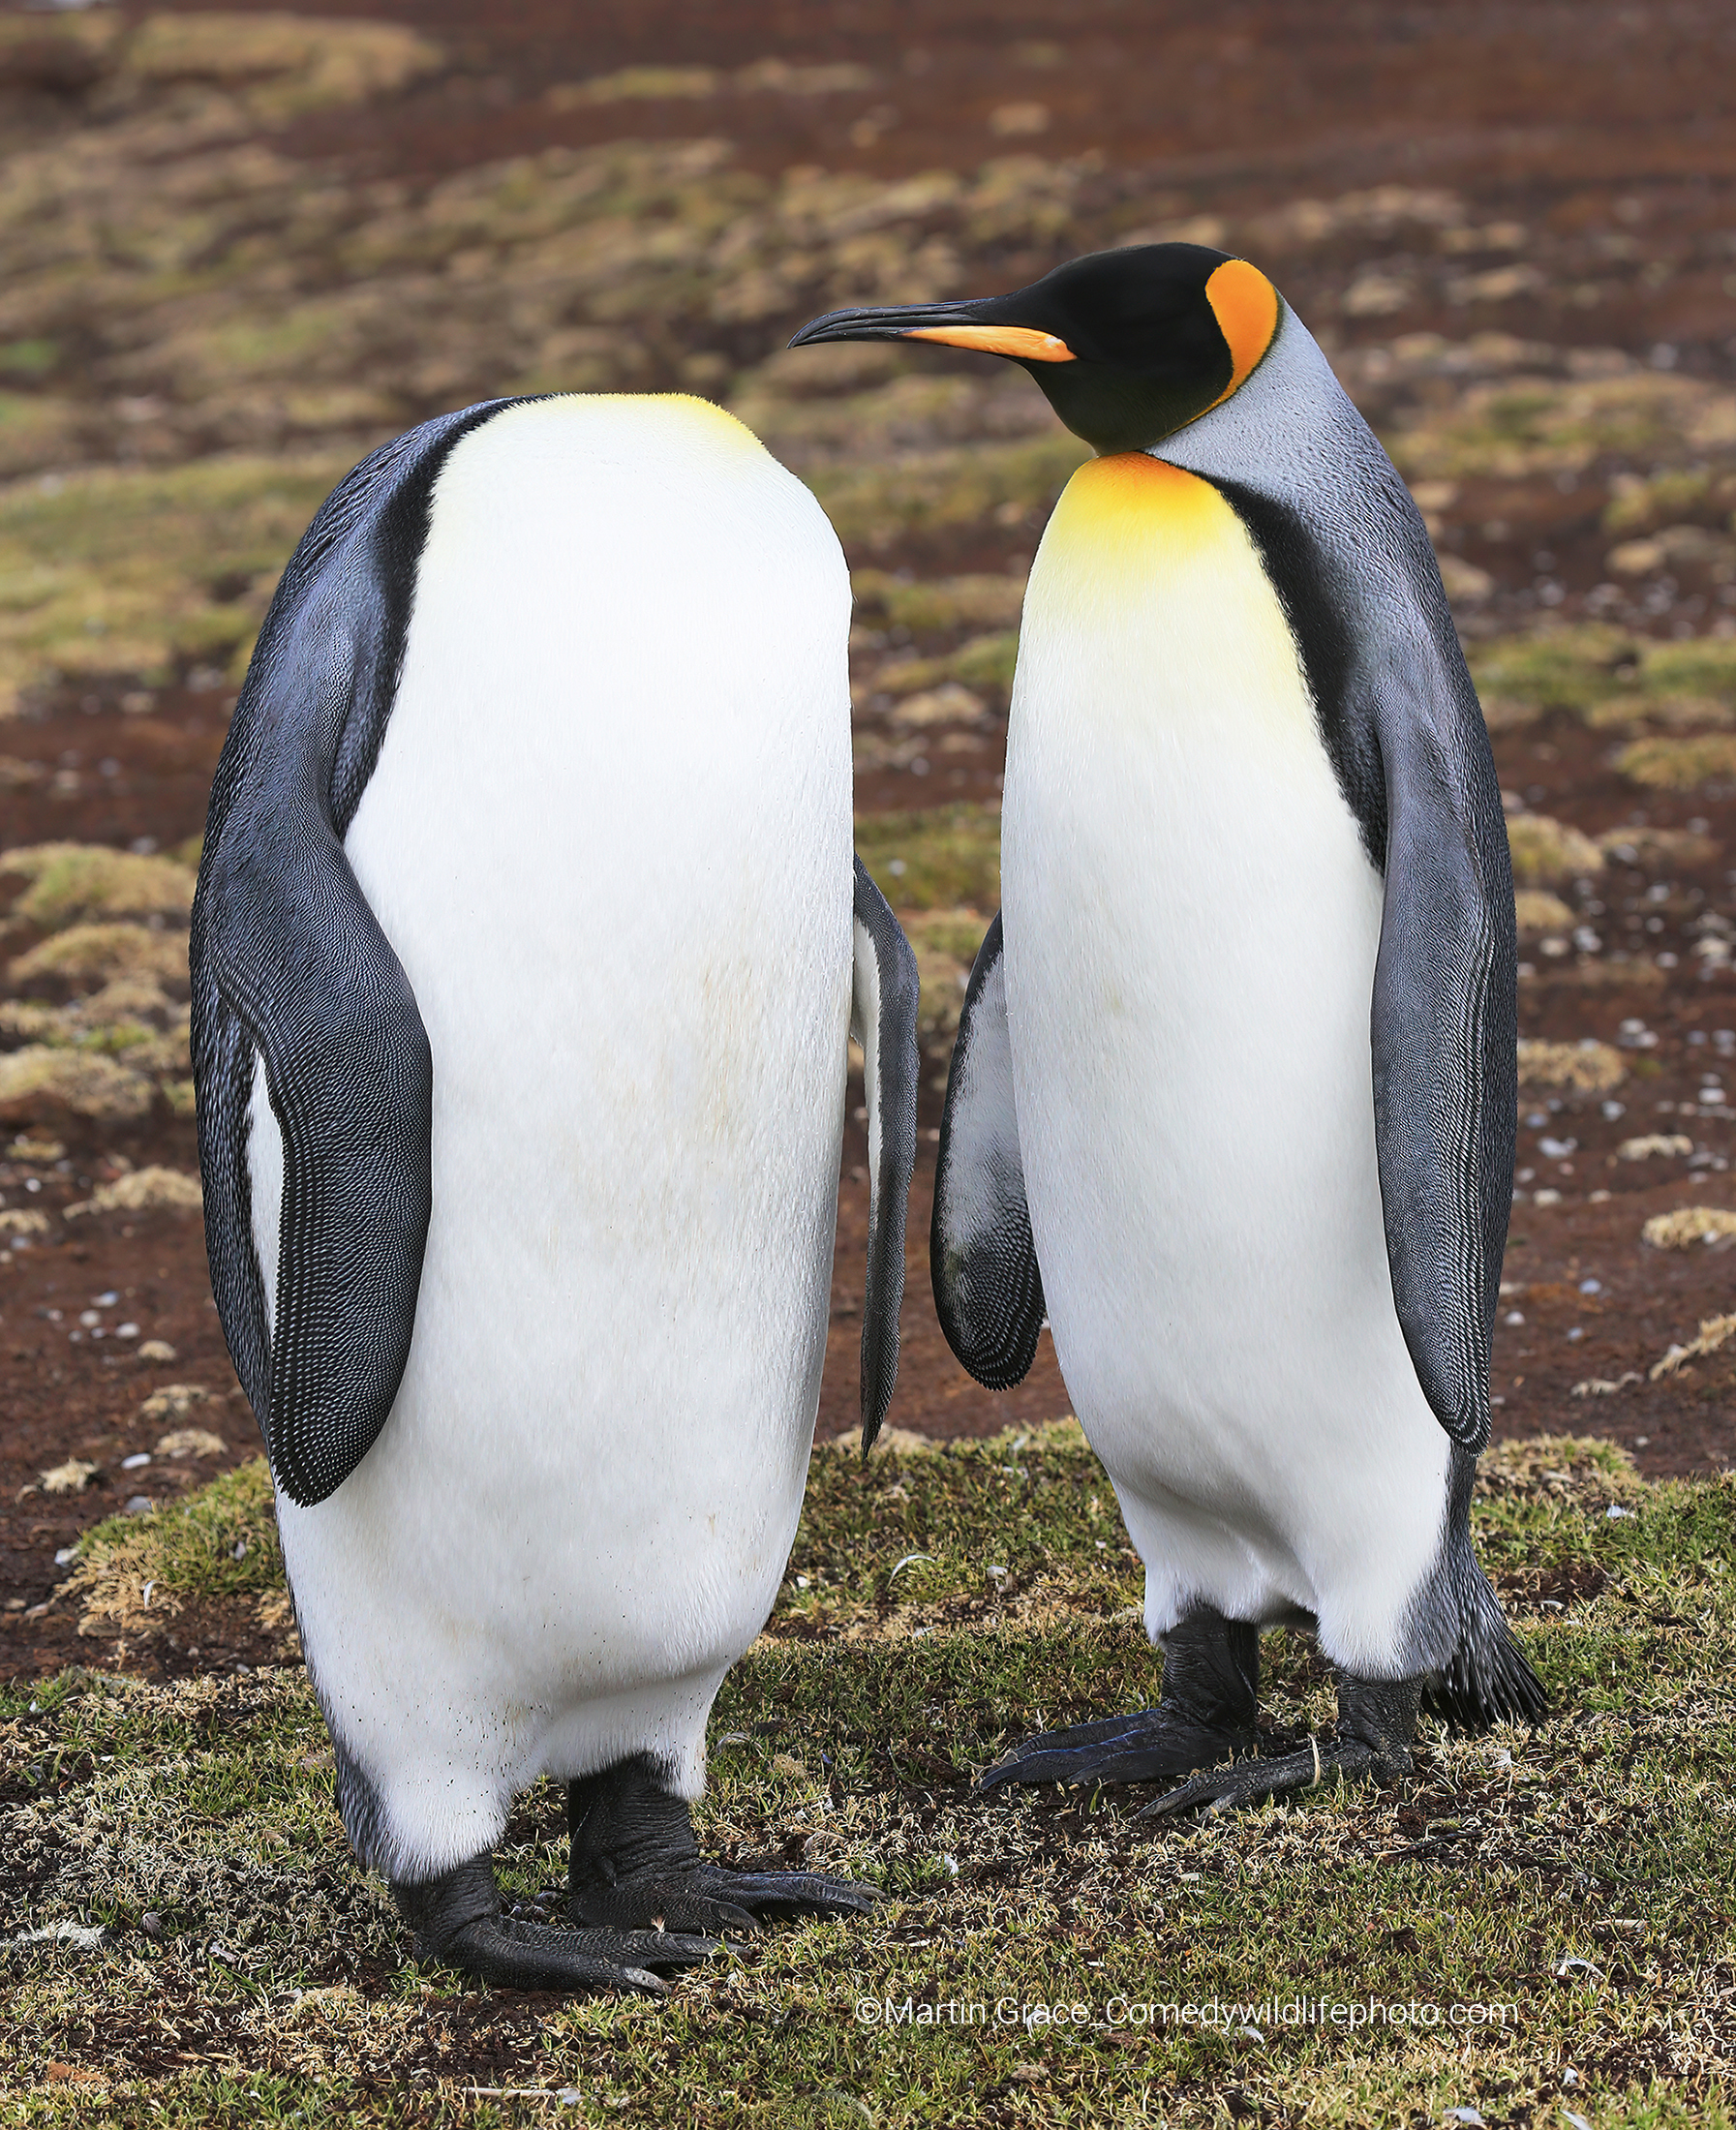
column 1543, row 113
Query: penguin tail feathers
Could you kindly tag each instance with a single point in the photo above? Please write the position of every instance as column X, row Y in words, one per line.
column 1487, row 1679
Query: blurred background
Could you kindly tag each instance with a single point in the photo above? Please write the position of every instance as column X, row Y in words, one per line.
column 239, row 248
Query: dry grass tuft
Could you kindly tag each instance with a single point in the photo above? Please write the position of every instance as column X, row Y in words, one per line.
column 1586, row 1067
column 141, row 1191
column 1679, row 764
column 1658, row 849
column 173, row 1402
column 71, row 1477
column 1689, row 1225
column 1546, row 851
column 1714, row 1332
column 103, row 954
column 1654, row 1142
column 39, row 1083
column 1538, row 911
column 74, row 883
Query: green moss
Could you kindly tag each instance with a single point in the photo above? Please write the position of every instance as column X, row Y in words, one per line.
column 895, row 1663
column 30, row 359
column 1643, row 506
column 79, row 883
column 1547, row 852
column 1702, row 665
column 1566, row 669
column 109, row 571
column 1680, row 765
column 35, row 431
column 1524, row 426
column 935, row 860
column 941, row 604
column 873, row 505
column 189, row 1551
column 1609, row 680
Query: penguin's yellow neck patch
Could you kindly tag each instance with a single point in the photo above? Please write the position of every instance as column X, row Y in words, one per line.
column 1149, row 602
column 1133, row 506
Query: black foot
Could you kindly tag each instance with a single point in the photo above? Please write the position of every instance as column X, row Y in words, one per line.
column 1377, row 1721
column 457, row 1918
column 1212, row 1666
column 635, row 1863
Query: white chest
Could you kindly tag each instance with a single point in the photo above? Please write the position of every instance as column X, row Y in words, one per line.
column 1191, row 931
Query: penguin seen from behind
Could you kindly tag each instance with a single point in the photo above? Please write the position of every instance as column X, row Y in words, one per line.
column 526, row 951
column 1232, row 1096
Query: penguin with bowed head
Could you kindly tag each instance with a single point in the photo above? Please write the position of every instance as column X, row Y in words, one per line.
column 1233, row 1096
column 526, row 951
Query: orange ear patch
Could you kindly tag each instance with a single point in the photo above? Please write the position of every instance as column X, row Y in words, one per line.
column 1023, row 341
column 1245, row 305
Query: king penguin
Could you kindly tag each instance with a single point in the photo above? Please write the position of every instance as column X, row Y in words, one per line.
column 1233, row 1096
column 526, row 951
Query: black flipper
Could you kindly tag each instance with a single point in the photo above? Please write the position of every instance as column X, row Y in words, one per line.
column 883, row 1020
column 289, row 963
column 1445, row 1040
column 988, row 1290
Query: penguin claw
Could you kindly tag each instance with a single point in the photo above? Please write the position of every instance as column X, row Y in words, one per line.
column 801, row 1893
column 1253, row 1781
column 533, row 1956
column 457, row 1919
column 1148, row 1745
column 706, row 1897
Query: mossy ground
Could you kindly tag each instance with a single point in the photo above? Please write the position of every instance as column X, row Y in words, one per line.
column 937, row 1605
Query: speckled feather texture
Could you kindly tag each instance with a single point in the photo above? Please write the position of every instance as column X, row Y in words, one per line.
column 988, row 1288
column 289, row 963
column 885, row 993
column 1349, row 556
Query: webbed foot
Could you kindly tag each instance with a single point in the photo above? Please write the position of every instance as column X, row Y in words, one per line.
column 1377, row 1721
column 457, row 1919
column 635, row 1863
column 1212, row 1668
column 1142, row 1748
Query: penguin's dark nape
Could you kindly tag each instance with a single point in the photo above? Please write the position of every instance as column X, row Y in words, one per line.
column 1127, row 345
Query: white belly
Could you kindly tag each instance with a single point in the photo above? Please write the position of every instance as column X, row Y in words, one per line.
column 609, row 838
column 1191, row 930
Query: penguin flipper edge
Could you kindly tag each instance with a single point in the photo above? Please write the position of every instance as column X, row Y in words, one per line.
column 988, row 1288
column 292, row 970
column 307, row 983
column 1444, row 1031
column 883, row 1020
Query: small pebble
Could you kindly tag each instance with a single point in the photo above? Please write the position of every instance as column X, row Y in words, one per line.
column 138, row 1459
column 140, row 1505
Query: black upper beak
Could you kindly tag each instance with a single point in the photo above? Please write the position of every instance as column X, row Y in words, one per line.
column 887, row 323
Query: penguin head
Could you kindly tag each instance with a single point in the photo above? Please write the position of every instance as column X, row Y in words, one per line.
column 1129, row 346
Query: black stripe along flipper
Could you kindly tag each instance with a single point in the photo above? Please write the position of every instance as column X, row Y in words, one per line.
column 287, row 962
column 883, row 1019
